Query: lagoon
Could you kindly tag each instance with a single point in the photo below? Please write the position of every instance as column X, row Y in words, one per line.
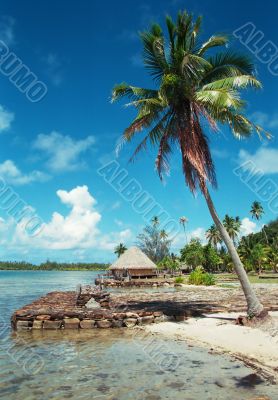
column 106, row 364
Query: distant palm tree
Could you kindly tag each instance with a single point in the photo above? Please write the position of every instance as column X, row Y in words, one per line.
column 155, row 221
column 232, row 226
column 183, row 222
column 120, row 249
column 213, row 236
column 257, row 212
column 192, row 88
column 163, row 234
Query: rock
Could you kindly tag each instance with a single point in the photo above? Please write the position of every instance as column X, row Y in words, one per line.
column 180, row 318
column 103, row 323
column 52, row 324
column 130, row 322
column 159, row 319
column 157, row 313
column 43, row 317
column 166, row 284
column 131, row 315
column 118, row 323
column 71, row 323
column 147, row 320
column 92, row 304
column 87, row 324
column 104, row 304
column 37, row 324
column 23, row 325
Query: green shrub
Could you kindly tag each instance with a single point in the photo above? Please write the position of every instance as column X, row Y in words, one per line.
column 179, row 279
column 208, row 279
column 199, row 277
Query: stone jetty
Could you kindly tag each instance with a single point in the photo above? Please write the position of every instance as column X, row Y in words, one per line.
column 89, row 308
column 134, row 283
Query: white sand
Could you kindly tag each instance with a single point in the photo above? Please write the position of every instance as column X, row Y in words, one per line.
column 252, row 345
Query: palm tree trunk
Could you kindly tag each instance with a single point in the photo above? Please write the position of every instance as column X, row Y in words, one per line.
column 254, row 307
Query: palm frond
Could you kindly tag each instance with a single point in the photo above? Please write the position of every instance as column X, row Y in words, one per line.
column 213, row 41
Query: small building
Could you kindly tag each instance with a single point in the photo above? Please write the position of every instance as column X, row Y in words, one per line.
column 133, row 263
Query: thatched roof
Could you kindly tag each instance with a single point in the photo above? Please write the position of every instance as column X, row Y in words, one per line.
column 133, row 258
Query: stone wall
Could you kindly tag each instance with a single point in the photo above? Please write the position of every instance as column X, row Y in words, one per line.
column 133, row 283
column 87, row 309
column 90, row 320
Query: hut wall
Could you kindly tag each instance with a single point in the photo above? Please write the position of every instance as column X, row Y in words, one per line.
column 141, row 272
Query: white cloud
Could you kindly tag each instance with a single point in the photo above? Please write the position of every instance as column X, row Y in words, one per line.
column 264, row 159
column 63, row 152
column 6, row 118
column 184, row 237
column 248, row 226
column 12, row 174
column 7, row 29
column 77, row 230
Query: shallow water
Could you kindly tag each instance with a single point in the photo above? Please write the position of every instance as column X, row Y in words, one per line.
column 105, row 364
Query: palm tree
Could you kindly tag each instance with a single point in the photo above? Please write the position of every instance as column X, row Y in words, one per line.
column 193, row 88
column 183, row 222
column 213, row 236
column 120, row 249
column 155, row 221
column 232, row 226
column 163, row 234
column 257, row 212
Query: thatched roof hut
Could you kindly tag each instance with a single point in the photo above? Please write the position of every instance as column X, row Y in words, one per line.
column 134, row 263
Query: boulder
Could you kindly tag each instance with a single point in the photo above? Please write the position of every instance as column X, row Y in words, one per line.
column 157, row 313
column 130, row 322
column 87, row 324
column 43, row 317
column 37, row 324
column 180, row 318
column 159, row 319
column 71, row 323
column 147, row 320
column 92, row 304
column 103, row 323
column 131, row 315
column 118, row 323
column 52, row 324
column 23, row 325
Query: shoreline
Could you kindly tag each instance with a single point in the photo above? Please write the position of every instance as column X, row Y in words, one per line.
column 256, row 348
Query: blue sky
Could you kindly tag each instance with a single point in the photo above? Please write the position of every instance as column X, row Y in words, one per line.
column 51, row 149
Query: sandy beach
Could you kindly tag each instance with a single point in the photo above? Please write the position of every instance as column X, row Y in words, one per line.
column 256, row 347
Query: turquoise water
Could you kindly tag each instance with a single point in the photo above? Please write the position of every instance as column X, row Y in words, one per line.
column 107, row 364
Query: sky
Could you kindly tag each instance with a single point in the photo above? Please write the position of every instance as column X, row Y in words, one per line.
column 54, row 148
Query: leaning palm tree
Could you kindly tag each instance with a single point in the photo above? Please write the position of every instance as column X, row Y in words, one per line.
column 213, row 236
column 192, row 89
column 120, row 249
column 257, row 212
column 232, row 226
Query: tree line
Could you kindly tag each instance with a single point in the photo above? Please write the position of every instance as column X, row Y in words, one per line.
column 52, row 266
